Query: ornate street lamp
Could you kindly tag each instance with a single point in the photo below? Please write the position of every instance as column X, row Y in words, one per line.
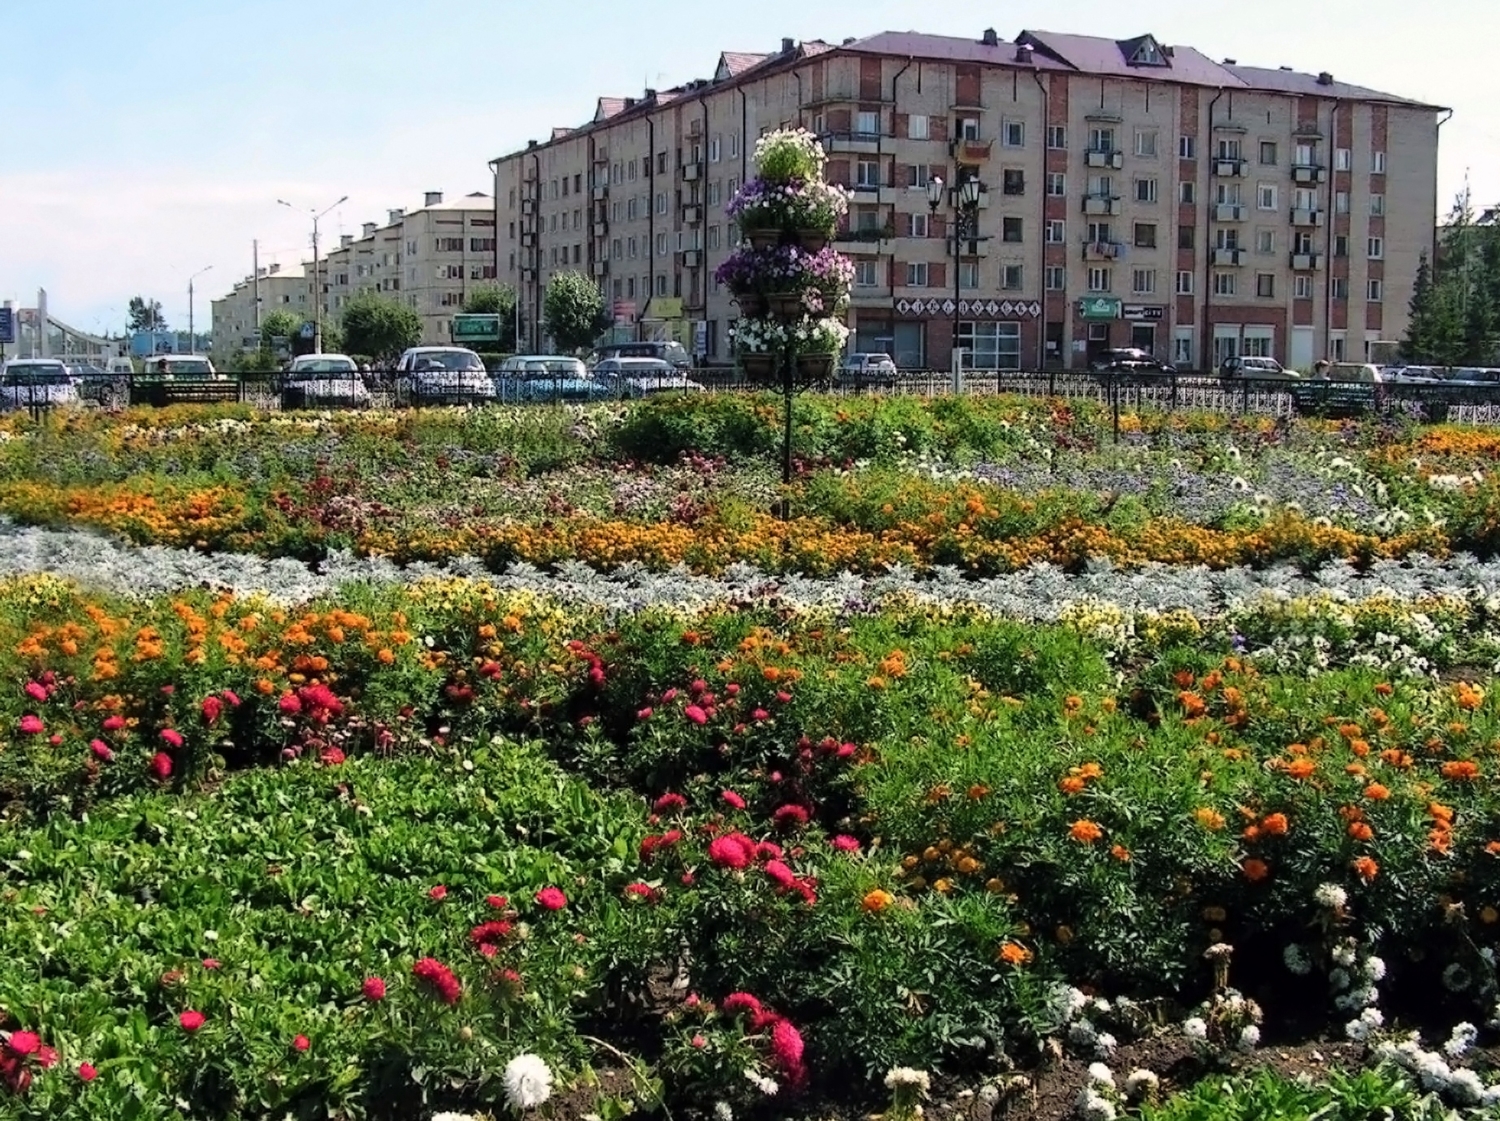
column 965, row 222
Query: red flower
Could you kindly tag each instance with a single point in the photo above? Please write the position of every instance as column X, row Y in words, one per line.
column 87, row 1072
column 779, row 872
column 845, row 843
column 171, row 737
column 46, row 1056
column 692, row 712
column 644, row 891
column 211, row 963
column 191, row 1021
column 114, row 723
column 332, row 756
column 31, row 725
column 669, row 803
column 373, row 988
column 760, row 714
column 784, row 697
column 786, row 1046
column 101, row 751
column 438, row 893
column 161, row 765
column 768, row 850
column 289, row 704
column 232, row 697
column 301, row 1043
column 644, row 714
column 845, row 750
column 488, row 935
column 24, row 1043
column 735, row 1003
column 440, row 978
column 699, row 1042
column 211, row 709
column 733, row 799
column 498, row 902
column 789, row 816
column 36, row 691
column 732, row 850
column 551, row 898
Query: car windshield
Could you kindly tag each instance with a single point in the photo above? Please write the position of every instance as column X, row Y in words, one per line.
column 186, row 366
column 324, row 366
column 560, row 368
column 453, row 360
column 36, row 375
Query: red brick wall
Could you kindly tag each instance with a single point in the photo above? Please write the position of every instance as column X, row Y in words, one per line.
column 869, row 79
column 1055, row 304
column 966, row 85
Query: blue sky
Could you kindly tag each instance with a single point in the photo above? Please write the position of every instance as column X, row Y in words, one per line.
column 146, row 139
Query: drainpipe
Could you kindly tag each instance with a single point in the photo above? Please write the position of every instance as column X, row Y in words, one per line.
column 890, row 278
column 536, row 264
column 1333, row 144
column 744, row 136
column 1041, row 335
column 494, row 166
column 1432, row 254
column 1206, row 343
column 650, row 217
column 703, row 214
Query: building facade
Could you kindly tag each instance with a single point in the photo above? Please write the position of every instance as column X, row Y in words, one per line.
column 1132, row 194
column 234, row 322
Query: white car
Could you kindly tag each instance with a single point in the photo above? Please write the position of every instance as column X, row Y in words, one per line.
column 443, row 375
column 324, row 381
column 641, row 377
column 183, row 367
column 27, row 383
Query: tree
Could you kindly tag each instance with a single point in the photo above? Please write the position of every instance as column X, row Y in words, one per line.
column 145, row 315
column 379, row 327
column 573, row 311
column 494, row 299
column 279, row 324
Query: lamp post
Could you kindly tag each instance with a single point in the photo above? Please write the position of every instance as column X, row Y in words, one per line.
column 965, row 218
column 317, row 216
column 192, row 336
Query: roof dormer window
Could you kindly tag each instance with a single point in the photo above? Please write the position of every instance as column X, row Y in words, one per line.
column 1147, row 52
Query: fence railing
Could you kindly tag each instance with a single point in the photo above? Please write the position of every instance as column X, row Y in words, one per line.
column 1118, row 390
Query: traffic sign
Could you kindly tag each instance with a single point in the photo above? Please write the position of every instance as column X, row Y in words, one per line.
column 475, row 327
column 7, row 325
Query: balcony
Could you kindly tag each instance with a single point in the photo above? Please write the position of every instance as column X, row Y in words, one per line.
column 1307, row 262
column 528, row 240
column 1229, row 168
column 692, row 258
column 1306, row 217
column 692, row 215
column 871, row 191
column 601, row 229
column 528, row 206
column 867, row 239
column 601, row 155
column 972, row 148
column 1228, row 258
column 1104, row 157
column 601, row 267
column 601, row 192
column 691, row 172
column 1101, row 250
column 971, row 246
column 860, row 143
column 1308, row 173
column 1101, row 204
column 1229, row 212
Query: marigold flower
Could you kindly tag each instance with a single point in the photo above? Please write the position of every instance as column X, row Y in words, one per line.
column 1013, row 953
column 1361, row 831
column 1210, row 819
column 1085, row 832
column 1255, row 869
column 1301, row 768
column 1072, row 784
column 1365, row 868
column 1120, row 853
column 1460, row 770
column 1275, row 824
column 551, row 898
column 877, row 900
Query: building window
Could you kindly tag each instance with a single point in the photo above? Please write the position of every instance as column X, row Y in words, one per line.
column 1302, row 242
column 661, row 244
column 661, row 285
column 1302, row 287
column 734, row 145
column 867, row 123
column 917, row 127
column 1229, row 148
column 1145, row 235
column 630, row 287
column 1342, row 159
column 1227, row 194
column 661, row 202
column 1307, row 155
column 1143, row 281
column 1184, row 282
column 1014, row 181
column 1056, row 278
column 1057, row 137
column 968, row 128
column 1268, row 153
column 865, row 274
column 968, row 274
column 1101, row 140
column 919, row 225
column 1182, row 346
column 916, row 274
column 1100, row 233
column 1055, row 231
column 1375, row 291
column 1013, row 134
column 991, row 346
column 1377, row 163
column 867, row 174
column 1099, row 278
column 1265, row 196
column 1145, row 189
column 1010, row 229
column 1187, row 237
column 1145, row 143
column 1265, row 285
column 918, row 175
column 1057, row 184
column 1012, row 277
column 1377, row 205
column 634, row 249
column 1187, row 147
column 1223, row 284
column 1375, row 248
column 1265, row 241
column 1338, row 288
column 1186, row 193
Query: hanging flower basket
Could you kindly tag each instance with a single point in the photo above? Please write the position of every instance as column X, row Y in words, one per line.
column 813, row 241
column 786, row 305
column 752, row 304
column 815, row 367
column 765, row 238
column 758, row 365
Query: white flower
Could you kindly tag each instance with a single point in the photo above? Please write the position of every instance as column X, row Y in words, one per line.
column 1249, row 1038
column 1297, row 960
column 1094, row 1107
column 528, row 1081
column 1465, row 1086
column 1331, row 896
column 1081, row 1033
column 454, row 1117
column 1139, row 1083
column 1105, row 1045
column 1339, row 979
column 1195, row 1028
column 722, row 1112
column 1101, row 1074
column 1375, row 968
column 1461, row 1040
column 908, row 1076
column 1344, row 952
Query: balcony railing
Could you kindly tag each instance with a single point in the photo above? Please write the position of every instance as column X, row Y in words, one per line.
column 1306, row 217
column 691, row 171
column 1307, row 262
column 1223, row 258
column 1101, row 204
column 692, row 215
column 972, row 148
column 1229, row 167
column 1101, row 250
column 601, row 229
column 692, row 258
column 1229, row 212
column 1104, row 157
column 1309, row 173
column 971, row 246
column 601, row 191
column 867, row 235
column 850, row 141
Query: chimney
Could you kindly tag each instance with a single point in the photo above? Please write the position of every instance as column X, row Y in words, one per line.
column 1325, row 79
column 1288, row 69
column 395, row 216
column 650, row 95
column 990, row 39
column 275, row 269
column 369, row 229
column 847, row 41
column 630, row 103
column 1169, row 52
column 1231, row 62
column 346, row 240
column 1024, row 53
column 788, row 46
column 433, row 198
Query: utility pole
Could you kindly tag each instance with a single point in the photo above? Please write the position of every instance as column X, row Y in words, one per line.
column 317, row 293
column 255, row 281
column 192, row 335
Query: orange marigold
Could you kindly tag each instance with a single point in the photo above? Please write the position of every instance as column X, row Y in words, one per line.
column 1377, row 792
column 1085, row 831
column 1071, row 785
column 1120, row 853
column 1361, row 831
column 1211, row 820
column 877, row 900
column 1301, row 768
column 1275, row 824
column 1255, row 869
column 1460, row 770
column 1013, row 953
column 1365, row 868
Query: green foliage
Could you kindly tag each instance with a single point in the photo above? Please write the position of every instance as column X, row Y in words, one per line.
column 1455, row 308
column 380, row 327
column 279, row 324
column 260, row 361
column 574, row 311
column 144, row 314
column 1338, row 1096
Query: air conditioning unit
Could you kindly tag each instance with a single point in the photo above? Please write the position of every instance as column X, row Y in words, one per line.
column 692, row 258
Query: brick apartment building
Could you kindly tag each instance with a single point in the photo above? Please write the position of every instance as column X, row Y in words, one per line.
column 1134, row 193
column 234, row 316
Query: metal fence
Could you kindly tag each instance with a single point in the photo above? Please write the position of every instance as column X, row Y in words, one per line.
column 1119, row 391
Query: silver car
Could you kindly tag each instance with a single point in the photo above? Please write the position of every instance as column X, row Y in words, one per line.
column 28, row 383
column 324, row 381
column 443, row 375
column 642, row 377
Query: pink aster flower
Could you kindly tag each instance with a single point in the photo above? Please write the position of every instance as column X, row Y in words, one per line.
column 692, row 712
column 552, row 899
column 171, row 737
column 845, row 843
column 31, row 725
column 733, row 799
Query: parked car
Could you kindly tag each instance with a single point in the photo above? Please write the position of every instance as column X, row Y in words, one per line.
column 546, row 377
column 860, row 371
column 1127, row 362
column 673, row 353
column 641, row 377
column 95, row 383
column 181, row 367
column 324, row 381
column 1250, row 368
column 1340, row 390
column 443, row 375
column 28, row 383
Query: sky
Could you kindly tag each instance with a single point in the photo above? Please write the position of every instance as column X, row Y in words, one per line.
column 145, row 140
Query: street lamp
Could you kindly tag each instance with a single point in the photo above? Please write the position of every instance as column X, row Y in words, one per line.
column 317, row 216
column 192, row 337
column 965, row 217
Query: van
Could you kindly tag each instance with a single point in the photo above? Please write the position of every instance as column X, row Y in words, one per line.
column 120, row 367
column 671, row 352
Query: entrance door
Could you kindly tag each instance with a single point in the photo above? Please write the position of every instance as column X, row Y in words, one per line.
column 1054, row 355
column 1301, row 356
column 1143, row 337
column 1098, row 339
column 1225, row 348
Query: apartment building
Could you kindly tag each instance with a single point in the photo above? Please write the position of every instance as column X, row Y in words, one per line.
column 234, row 317
column 430, row 257
column 1132, row 193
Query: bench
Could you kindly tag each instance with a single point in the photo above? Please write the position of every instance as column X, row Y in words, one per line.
column 1335, row 399
column 186, row 392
